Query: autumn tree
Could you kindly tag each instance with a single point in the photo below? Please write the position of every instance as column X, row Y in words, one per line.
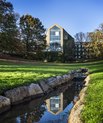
column 95, row 46
column 32, row 34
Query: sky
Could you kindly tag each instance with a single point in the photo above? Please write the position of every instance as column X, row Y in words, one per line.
column 73, row 15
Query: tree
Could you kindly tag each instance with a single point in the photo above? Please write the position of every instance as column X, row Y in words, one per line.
column 97, row 35
column 32, row 34
column 80, row 37
column 101, row 27
column 9, row 41
column 95, row 46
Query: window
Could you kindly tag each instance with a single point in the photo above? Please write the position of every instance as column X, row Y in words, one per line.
column 56, row 33
column 55, row 38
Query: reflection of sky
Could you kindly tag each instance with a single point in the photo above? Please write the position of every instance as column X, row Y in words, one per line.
column 18, row 120
column 59, row 118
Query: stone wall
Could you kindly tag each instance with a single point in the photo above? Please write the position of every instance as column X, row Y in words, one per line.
column 25, row 93
column 75, row 114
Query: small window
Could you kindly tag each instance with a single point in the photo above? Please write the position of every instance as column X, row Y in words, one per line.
column 57, row 33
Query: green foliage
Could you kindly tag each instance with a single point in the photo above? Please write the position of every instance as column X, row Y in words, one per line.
column 9, row 42
column 32, row 33
column 37, row 56
column 20, row 39
column 95, row 45
column 13, row 75
column 53, row 56
column 16, row 74
column 95, row 50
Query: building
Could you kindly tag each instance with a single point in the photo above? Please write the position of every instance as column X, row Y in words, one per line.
column 58, row 40
column 81, row 52
column 55, row 104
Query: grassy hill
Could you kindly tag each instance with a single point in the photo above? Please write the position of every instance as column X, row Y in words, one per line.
column 13, row 74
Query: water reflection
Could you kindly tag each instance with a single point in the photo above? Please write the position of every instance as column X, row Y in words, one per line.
column 56, row 112
column 52, row 108
column 55, row 104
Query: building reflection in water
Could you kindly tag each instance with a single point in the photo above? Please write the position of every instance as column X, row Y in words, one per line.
column 57, row 111
column 53, row 110
column 55, row 104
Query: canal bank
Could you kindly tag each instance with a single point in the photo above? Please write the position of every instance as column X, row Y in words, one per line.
column 52, row 107
column 75, row 113
column 26, row 93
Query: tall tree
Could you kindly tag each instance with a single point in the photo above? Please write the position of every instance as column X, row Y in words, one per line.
column 32, row 33
column 9, row 41
column 80, row 37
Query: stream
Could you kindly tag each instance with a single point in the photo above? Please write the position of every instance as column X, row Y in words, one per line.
column 50, row 108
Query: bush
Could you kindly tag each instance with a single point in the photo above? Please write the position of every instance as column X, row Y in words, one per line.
column 38, row 56
column 53, row 56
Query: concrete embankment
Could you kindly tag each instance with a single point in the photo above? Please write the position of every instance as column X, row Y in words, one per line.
column 75, row 114
column 25, row 93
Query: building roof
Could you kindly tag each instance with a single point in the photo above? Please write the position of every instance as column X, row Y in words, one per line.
column 55, row 25
column 60, row 28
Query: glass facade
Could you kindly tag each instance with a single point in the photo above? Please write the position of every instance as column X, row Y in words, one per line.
column 55, row 104
column 55, row 39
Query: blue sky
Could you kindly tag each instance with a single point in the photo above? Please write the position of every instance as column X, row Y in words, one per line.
column 73, row 15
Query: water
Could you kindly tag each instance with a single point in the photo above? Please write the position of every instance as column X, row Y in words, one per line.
column 52, row 108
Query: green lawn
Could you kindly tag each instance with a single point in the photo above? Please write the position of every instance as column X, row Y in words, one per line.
column 13, row 75
column 16, row 74
column 93, row 110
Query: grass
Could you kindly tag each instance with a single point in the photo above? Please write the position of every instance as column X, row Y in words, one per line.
column 16, row 74
column 93, row 110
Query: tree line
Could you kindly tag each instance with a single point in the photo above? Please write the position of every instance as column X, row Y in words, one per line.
column 92, row 42
column 23, row 35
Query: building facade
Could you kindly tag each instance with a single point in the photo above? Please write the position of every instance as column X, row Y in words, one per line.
column 58, row 40
column 55, row 104
column 81, row 52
